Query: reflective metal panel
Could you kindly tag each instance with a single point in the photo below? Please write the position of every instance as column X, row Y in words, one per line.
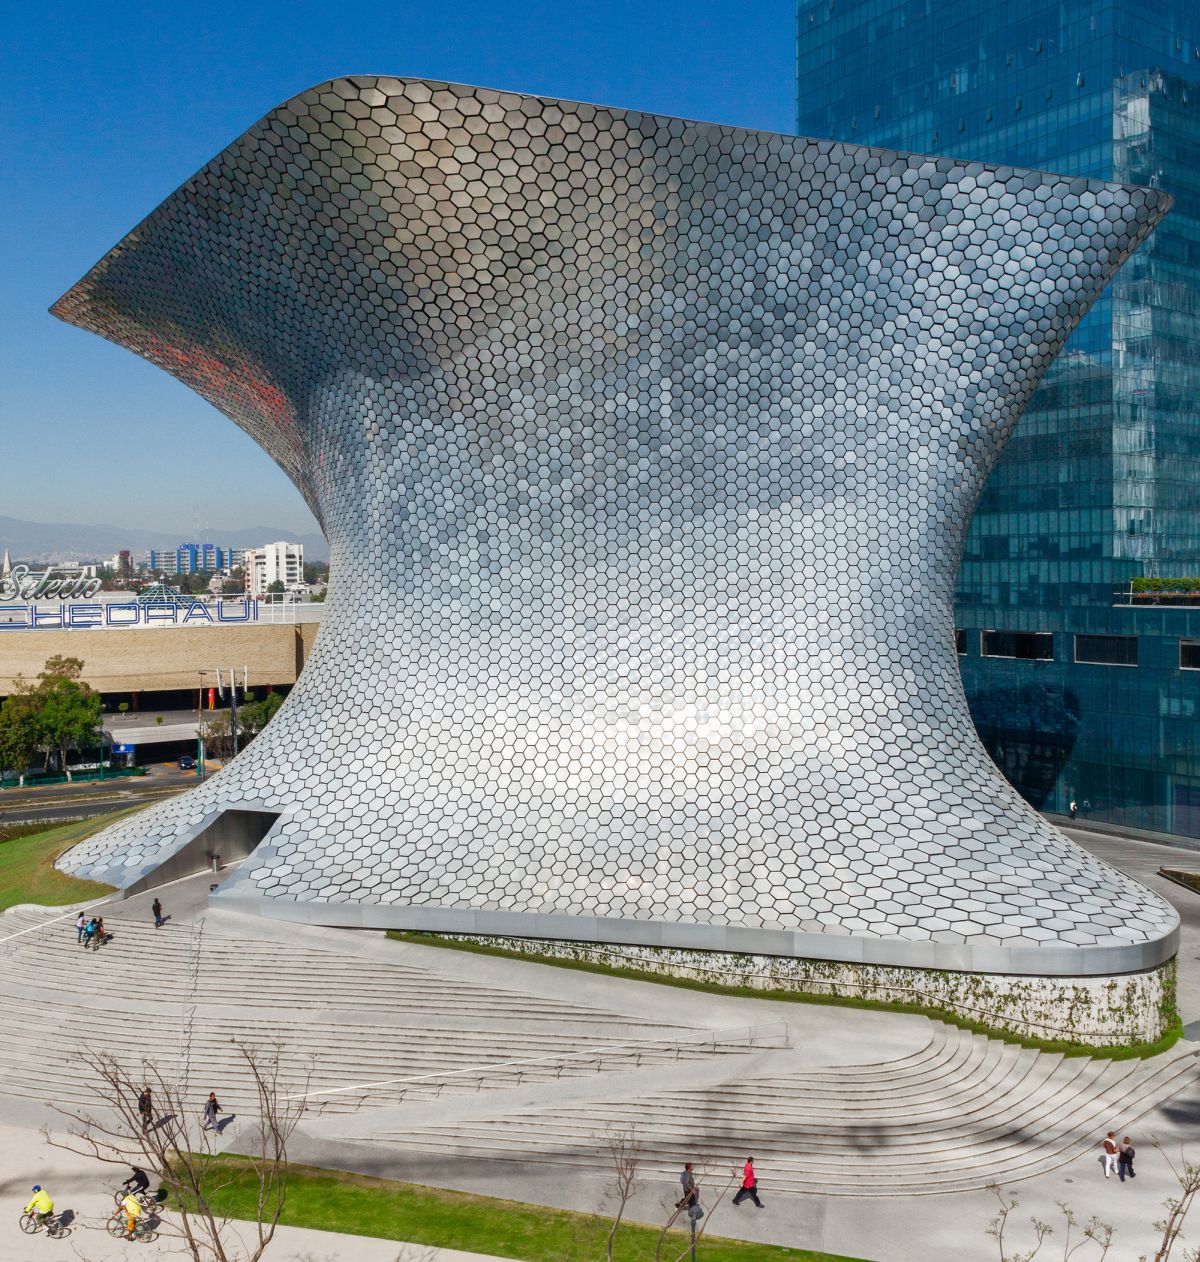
column 645, row 449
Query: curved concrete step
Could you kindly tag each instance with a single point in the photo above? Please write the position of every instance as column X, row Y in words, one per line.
column 941, row 1109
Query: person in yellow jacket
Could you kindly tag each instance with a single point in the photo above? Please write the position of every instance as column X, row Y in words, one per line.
column 133, row 1211
column 41, row 1204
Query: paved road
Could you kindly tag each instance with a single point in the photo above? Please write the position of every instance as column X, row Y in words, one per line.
column 1141, row 860
column 95, row 797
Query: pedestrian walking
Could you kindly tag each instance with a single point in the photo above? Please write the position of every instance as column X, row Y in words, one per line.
column 749, row 1186
column 1125, row 1156
column 156, row 908
column 99, row 937
column 211, row 1109
column 1072, row 809
column 80, row 926
column 1110, row 1153
column 691, row 1193
column 146, row 1108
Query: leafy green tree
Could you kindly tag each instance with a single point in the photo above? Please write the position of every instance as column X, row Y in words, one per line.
column 68, row 709
column 255, row 715
column 20, row 729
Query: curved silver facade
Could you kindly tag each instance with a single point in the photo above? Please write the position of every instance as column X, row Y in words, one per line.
column 645, row 450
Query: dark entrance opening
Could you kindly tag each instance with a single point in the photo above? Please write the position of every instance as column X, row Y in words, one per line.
column 231, row 836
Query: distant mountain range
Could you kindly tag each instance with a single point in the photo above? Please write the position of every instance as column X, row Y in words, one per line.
column 62, row 542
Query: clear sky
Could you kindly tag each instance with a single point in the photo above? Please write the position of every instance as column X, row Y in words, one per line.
column 107, row 107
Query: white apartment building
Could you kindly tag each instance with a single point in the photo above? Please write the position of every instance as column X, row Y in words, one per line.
column 274, row 562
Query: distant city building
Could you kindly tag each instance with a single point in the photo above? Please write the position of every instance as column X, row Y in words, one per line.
column 1082, row 682
column 194, row 558
column 5, row 565
column 276, row 562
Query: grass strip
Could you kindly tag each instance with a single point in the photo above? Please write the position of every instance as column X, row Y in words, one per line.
column 1135, row 1051
column 27, row 871
column 361, row 1205
column 1189, row 880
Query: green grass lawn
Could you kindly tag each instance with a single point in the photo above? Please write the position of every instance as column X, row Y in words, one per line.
column 27, row 872
column 330, row 1200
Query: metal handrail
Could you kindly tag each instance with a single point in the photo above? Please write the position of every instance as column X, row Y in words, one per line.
column 750, row 1034
column 43, row 929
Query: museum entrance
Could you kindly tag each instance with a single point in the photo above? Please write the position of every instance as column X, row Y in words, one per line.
column 229, row 837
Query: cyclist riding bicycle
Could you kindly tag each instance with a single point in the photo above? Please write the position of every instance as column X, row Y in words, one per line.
column 138, row 1181
column 41, row 1206
column 133, row 1211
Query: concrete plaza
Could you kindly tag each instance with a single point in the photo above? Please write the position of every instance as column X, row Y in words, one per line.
column 875, row 1133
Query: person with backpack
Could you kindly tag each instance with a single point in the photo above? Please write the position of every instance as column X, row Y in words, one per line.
column 1125, row 1156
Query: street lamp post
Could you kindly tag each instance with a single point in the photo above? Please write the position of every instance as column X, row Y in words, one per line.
column 233, row 726
column 200, row 728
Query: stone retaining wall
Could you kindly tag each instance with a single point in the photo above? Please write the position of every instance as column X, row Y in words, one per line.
column 1113, row 1011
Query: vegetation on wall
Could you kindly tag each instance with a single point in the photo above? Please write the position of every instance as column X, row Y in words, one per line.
column 1165, row 584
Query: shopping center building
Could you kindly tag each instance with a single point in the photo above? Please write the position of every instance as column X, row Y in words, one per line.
column 150, row 661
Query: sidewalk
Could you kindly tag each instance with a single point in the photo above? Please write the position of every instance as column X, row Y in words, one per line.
column 81, row 1187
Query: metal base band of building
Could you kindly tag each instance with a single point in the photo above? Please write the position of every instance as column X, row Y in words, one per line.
column 645, row 449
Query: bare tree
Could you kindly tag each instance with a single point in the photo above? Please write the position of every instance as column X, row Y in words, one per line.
column 999, row 1224
column 1094, row 1231
column 626, row 1157
column 217, row 734
column 190, row 1171
column 1187, row 1175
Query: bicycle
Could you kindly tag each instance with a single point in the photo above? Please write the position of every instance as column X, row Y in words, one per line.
column 147, row 1200
column 53, row 1223
column 118, row 1228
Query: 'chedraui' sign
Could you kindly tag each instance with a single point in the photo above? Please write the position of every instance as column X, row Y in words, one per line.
column 76, row 610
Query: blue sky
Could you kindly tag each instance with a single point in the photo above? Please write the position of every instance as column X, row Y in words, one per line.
column 109, row 107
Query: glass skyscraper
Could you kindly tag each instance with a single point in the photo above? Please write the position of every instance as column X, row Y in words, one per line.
column 1081, row 663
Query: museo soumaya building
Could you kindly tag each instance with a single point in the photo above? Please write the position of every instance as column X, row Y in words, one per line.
column 645, row 449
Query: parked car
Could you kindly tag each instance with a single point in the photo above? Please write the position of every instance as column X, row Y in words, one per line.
column 187, row 762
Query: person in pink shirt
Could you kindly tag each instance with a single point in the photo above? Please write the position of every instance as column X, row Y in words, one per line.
column 749, row 1186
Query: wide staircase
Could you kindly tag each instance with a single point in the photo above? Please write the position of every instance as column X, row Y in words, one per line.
column 419, row 1050
column 962, row 1112
column 352, row 1030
